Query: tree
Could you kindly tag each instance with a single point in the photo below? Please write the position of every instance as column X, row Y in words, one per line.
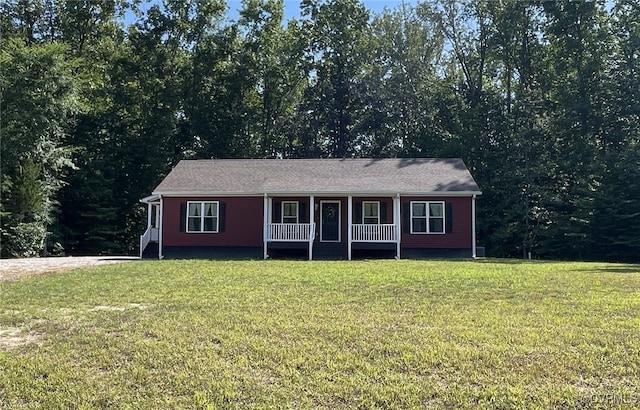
column 336, row 34
column 400, row 89
column 39, row 100
column 518, row 160
column 577, row 34
column 616, row 217
column 270, row 54
column 131, row 135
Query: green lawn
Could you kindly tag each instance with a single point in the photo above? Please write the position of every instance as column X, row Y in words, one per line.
column 335, row 335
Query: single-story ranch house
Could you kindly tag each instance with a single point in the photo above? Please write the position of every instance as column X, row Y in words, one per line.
column 321, row 208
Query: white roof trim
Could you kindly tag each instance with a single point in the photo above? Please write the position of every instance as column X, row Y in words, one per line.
column 150, row 199
column 318, row 194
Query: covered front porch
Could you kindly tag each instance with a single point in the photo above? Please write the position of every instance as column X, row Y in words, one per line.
column 325, row 224
column 152, row 234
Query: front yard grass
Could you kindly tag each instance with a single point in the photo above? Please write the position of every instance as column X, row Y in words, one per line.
column 334, row 335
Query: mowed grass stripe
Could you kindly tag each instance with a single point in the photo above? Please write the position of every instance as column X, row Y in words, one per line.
column 288, row 334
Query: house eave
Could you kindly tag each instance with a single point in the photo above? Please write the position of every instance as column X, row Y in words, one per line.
column 316, row 193
column 151, row 199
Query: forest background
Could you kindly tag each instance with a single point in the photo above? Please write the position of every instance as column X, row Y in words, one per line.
column 99, row 99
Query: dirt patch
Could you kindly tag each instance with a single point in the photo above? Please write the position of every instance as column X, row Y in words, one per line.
column 119, row 308
column 13, row 337
column 14, row 269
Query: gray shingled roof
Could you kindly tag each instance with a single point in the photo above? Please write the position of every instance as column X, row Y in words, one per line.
column 319, row 176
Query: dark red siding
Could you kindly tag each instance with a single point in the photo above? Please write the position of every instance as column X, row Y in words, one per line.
column 243, row 223
column 460, row 238
column 303, row 201
column 384, row 202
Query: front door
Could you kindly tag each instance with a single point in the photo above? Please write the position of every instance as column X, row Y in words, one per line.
column 330, row 221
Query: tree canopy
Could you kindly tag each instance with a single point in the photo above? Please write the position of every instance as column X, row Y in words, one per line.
column 541, row 99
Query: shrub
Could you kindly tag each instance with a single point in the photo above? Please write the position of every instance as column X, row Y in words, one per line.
column 25, row 240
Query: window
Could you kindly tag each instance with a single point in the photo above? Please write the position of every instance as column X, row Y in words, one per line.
column 289, row 212
column 371, row 212
column 427, row 217
column 202, row 216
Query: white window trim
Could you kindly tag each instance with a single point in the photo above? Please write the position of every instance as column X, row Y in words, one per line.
column 427, row 217
column 202, row 217
column 366, row 217
column 282, row 204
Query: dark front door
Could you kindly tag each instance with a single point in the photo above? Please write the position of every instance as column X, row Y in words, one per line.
column 330, row 221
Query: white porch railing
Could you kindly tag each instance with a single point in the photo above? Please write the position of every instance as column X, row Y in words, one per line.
column 150, row 235
column 289, row 232
column 374, row 233
column 145, row 238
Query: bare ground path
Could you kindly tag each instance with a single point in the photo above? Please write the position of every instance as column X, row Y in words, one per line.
column 14, row 269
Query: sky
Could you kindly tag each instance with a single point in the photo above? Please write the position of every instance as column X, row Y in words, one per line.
column 292, row 7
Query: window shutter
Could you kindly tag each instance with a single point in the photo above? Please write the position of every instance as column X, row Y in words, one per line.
column 276, row 216
column 222, row 213
column 406, row 217
column 383, row 212
column 448, row 216
column 357, row 212
column 302, row 212
column 183, row 216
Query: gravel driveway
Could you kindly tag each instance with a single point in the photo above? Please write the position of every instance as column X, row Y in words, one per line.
column 13, row 269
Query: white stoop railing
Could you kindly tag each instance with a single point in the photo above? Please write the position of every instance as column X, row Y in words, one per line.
column 145, row 238
column 150, row 235
column 374, row 232
column 289, row 232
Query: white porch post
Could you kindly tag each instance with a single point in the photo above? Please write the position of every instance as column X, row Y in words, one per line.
column 396, row 222
column 160, row 226
column 473, row 226
column 265, row 225
column 349, row 223
column 312, row 231
column 149, row 209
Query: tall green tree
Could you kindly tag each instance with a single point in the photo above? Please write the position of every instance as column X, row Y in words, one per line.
column 39, row 100
column 576, row 54
column 401, row 92
column 127, row 139
column 271, row 53
column 615, row 222
column 26, row 20
column 518, row 161
column 336, row 33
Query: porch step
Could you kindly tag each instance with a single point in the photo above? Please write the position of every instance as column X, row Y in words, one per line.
column 151, row 251
column 329, row 251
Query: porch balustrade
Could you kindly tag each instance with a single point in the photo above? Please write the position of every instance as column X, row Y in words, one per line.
column 289, row 232
column 150, row 235
column 145, row 238
column 374, row 232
